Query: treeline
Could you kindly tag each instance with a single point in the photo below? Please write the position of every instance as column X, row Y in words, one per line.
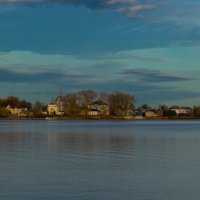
column 15, row 102
column 119, row 102
column 74, row 103
column 173, row 111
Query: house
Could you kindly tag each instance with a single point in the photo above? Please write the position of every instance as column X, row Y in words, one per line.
column 52, row 108
column 98, row 108
column 18, row 112
column 150, row 114
column 182, row 110
column 60, row 101
column 56, row 107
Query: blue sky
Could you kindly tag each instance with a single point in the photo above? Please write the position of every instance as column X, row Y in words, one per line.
column 149, row 48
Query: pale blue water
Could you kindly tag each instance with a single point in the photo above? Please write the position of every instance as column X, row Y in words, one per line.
column 99, row 160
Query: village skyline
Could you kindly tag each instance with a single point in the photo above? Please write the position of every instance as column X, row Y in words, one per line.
column 91, row 104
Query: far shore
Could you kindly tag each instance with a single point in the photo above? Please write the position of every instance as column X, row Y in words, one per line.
column 99, row 118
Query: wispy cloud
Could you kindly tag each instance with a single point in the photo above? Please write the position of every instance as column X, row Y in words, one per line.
column 12, row 76
column 121, row 1
column 18, row 77
column 130, row 7
column 135, row 11
column 153, row 76
column 179, row 12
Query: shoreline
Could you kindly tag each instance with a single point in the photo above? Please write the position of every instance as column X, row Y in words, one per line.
column 99, row 119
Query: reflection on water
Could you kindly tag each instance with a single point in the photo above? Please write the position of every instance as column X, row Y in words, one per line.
column 99, row 160
column 66, row 142
column 91, row 143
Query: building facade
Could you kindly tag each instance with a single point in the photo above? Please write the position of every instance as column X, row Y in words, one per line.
column 56, row 107
column 98, row 108
column 18, row 112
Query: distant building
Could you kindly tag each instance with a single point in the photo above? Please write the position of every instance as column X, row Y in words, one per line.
column 57, row 106
column 146, row 111
column 98, row 108
column 54, row 109
column 138, row 117
column 18, row 112
column 182, row 110
column 94, row 112
column 150, row 114
column 159, row 113
column 60, row 101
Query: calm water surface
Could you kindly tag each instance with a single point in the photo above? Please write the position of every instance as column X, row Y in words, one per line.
column 96, row 160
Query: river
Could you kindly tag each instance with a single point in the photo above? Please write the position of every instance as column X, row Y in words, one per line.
column 99, row 160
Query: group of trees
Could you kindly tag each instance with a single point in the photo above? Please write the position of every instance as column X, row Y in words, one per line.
column 120, row 103
column 79, row 101
column 170, row 111
column 197, row 111
column 167, row 112
column 13, row 101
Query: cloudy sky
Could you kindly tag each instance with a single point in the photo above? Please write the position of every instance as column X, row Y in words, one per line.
column 149, row 48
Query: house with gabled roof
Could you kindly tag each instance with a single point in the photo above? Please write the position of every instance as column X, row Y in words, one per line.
column 182, row 110
column 56, row 107
column 18, row 112
column 98, row 108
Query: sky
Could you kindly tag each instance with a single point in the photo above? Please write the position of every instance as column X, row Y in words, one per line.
column 148, row 48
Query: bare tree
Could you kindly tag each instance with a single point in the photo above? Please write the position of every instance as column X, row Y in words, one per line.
column 121, row 103
column 71, row 104
column 103, row 96
column 86, row 97
column 37, row 108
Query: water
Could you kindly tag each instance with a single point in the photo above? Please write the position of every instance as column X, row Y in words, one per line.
column 99, row 160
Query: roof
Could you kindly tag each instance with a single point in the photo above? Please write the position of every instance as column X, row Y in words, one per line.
column 52, row 104
column 98, row 102
column 180, row 108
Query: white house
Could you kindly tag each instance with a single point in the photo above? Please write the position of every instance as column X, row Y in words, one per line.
column 182, row 110
column 150, row 114
column 19, row 112
column 56, row 107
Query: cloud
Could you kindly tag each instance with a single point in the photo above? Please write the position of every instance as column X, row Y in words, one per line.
column 180, row 12
column 130, row 7
column 167, row 95
column 144, row 92
column 152, row 76
column 121, row 1
column 11, row 76
column 133, row 11
column 40, row 82
column 18, row 77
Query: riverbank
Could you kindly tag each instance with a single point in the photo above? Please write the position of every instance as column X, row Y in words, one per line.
column 100, row 118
